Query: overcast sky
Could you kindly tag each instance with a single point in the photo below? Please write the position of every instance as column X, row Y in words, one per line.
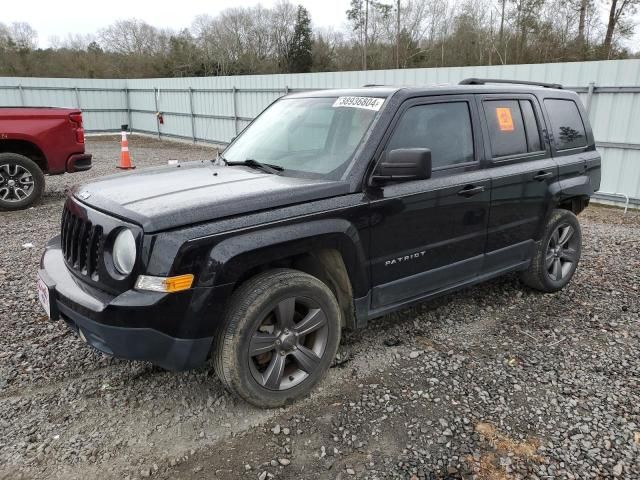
column 55, row 18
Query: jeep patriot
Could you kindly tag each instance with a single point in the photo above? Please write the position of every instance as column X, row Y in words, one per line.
column 331, row 208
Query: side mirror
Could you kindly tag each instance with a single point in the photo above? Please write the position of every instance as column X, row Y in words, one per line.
column 404, row 164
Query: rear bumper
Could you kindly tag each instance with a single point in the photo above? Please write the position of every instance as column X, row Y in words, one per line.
column 79, row 162
column 122, row 326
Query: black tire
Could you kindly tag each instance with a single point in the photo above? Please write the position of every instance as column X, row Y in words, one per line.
column 557, row 254
column 262, row 317
column 16, row 172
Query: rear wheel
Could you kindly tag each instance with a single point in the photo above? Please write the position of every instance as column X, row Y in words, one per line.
column 557, row 254
column 21, row 182
column 280, row 335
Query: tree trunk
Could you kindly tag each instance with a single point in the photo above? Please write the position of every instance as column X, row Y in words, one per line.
column 501, row 24
column 520, row 25
column 583, row 15
column 366, row 34
column 398, row 37
column 611, row 25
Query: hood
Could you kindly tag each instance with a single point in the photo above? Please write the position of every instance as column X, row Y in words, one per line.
column 172, row 196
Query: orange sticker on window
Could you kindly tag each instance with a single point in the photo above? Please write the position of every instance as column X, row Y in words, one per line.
column 505, row 122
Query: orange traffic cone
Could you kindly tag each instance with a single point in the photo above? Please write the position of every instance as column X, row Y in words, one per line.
column 125, row 159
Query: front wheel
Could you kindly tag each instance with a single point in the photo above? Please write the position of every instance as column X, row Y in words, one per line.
column 21, row 182
column 281, row 332
column 557, row 254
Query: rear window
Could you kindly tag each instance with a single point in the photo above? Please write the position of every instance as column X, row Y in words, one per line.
column 566, row 123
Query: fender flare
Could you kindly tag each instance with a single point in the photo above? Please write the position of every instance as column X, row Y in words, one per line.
column 579, row 186
column 561, row 190
column 234, row 256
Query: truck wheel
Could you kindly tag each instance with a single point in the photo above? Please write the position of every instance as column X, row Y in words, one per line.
column 21, row 182
column 280, row 334
column 557, row 254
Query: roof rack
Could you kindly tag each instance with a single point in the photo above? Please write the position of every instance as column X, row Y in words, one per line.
column 484, row 81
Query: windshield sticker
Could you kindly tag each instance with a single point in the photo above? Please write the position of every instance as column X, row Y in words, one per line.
column 368, row 103
column 505, row 121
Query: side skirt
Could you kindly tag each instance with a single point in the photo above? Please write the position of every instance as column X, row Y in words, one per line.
column 364, row 314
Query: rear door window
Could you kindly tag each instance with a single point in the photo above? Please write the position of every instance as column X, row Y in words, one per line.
column 513, row 127
column 566, row 123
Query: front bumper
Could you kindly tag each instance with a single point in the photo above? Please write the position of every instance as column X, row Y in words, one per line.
column 78, row 162
column 121, row 325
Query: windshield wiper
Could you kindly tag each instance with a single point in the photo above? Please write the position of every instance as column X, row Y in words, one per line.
column 266, row 167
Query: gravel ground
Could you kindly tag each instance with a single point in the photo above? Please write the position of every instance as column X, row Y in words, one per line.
column 494, row 382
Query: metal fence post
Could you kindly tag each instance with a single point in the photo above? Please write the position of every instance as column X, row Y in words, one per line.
column 286, row 89
column 21, row 95
column 193, row 119
column 235, row 110
column 77, row 97
column 155, row 97
column 127, row 101
column 589, row 97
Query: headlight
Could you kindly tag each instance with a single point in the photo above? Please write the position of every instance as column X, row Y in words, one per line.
column 124, row 252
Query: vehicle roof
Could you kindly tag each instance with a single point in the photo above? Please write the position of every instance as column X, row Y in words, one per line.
column 384, row 91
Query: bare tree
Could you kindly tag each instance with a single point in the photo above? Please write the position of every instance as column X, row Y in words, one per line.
column 617, row 11
column 73, row 41
column 133, row 37
column 283, row 19
column 383, row 34
column 23, row 36
column 5, row 36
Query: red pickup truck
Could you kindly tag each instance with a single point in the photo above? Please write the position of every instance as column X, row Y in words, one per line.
column 35, row 141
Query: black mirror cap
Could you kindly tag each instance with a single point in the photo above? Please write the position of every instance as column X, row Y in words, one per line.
column 404, row 164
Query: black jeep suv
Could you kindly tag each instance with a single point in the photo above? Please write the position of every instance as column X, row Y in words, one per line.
column 331, row 208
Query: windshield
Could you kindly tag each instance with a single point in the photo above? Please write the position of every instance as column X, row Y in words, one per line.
column 310, row 136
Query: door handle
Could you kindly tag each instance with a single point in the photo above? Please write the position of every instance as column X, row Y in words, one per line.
column 470, row 191
column 542, row 176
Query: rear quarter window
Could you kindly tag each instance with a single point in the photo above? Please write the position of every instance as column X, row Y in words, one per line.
column 566, row 123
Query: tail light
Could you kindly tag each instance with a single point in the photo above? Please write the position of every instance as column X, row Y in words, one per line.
column 76, row 119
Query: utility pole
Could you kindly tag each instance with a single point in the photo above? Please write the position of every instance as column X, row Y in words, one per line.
column 398, row 35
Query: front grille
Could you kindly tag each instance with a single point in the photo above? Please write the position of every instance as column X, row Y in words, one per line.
column 81, row 243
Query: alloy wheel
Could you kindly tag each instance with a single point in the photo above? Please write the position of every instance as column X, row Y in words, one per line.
column 289, row 343
column 16, row 183
column 562, row 252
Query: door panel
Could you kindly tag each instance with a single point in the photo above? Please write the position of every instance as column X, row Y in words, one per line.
column 520, row 178
column 519, row 200
column 427, row 235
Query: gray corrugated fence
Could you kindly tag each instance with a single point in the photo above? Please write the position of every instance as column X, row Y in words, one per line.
column 215, row 109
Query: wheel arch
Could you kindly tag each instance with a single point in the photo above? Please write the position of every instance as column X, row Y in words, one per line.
column 26, row 148
column 330, row 250
column 571, row 193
